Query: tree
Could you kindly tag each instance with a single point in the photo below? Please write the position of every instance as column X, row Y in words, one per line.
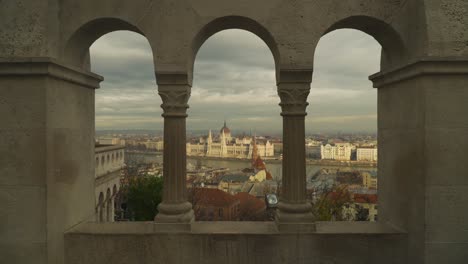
column 330, row 205
column 143, row 194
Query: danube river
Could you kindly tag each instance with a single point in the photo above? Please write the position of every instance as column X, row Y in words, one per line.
column 273, row 167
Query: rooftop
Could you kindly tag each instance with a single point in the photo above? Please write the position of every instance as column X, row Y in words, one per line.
column 213, row 197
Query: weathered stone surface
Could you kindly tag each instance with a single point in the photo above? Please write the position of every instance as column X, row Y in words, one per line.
column 235, row 242
column 47, row 113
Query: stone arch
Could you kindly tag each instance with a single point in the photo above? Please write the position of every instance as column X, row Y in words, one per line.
column 393, row 47
column 77, row 45
column 234, row 22
column 114, row 190
column 102, row 160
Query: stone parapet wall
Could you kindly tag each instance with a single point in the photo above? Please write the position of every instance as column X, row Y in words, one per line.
column 235, row 242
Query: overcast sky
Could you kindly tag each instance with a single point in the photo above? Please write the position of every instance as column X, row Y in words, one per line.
column 234, row 79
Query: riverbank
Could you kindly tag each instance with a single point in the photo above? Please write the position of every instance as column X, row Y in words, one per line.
column 334, row 163
column 351, row 163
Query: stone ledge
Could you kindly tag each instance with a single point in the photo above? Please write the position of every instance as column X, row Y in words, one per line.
column 237, row 242
column 224, row 227
column 107, row 176
column 233, row 228
column 421, row 67
column 105, row 148
column 42, row 66
column 356, row 228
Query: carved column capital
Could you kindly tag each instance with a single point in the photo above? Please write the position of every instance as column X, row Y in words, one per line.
column 293, row 89
column 174, row 89
column 175, row 100
column 293, row 100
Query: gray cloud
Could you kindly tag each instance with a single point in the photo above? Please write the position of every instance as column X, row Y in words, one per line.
column 234, row 78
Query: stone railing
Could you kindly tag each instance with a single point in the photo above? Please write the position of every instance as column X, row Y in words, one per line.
column 108, row 158
column 235, row 242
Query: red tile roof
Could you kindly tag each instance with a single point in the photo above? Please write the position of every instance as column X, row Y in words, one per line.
column 213, row 197
column 365, row 198
column 249, row 203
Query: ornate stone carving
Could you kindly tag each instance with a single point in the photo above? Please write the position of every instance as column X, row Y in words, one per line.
column 293, row 98
column 175, row 98
column 293, row 89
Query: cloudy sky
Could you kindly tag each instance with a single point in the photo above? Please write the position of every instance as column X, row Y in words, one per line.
column 234, row 79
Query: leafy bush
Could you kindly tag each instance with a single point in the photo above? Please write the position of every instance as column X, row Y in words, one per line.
column 330, row 204
column 143, row 194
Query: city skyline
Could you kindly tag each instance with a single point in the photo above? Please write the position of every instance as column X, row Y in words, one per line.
column 239, row 85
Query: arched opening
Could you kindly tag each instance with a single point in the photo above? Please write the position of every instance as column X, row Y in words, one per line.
column 235, row 22
column 341, row 128
column 127, row 111
column 232, row 126
column 393, row 49
column 77, row 49
column 127, row 100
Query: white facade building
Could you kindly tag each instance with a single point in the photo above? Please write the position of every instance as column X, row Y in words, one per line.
column 227, row 146
column 155, row 145
column 366, row 154
column 109, row 162
column 369, row 180
column 111, row 141
column 340, row 151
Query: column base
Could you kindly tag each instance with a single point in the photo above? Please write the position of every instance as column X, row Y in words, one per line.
column 295, row 218
column 288, row 213
column 175, row 213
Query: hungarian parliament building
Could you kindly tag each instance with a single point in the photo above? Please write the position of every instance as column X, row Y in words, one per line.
column 224, row 145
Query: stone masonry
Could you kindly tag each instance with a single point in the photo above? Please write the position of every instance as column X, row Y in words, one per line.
column 47, row 162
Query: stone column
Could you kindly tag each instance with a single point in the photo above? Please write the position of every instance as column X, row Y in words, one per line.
column 108, row 209
column 293, row 89
column 47, row 159
column 104, row 211
column 175, row 92
column 423, row 138
column 112, row 208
